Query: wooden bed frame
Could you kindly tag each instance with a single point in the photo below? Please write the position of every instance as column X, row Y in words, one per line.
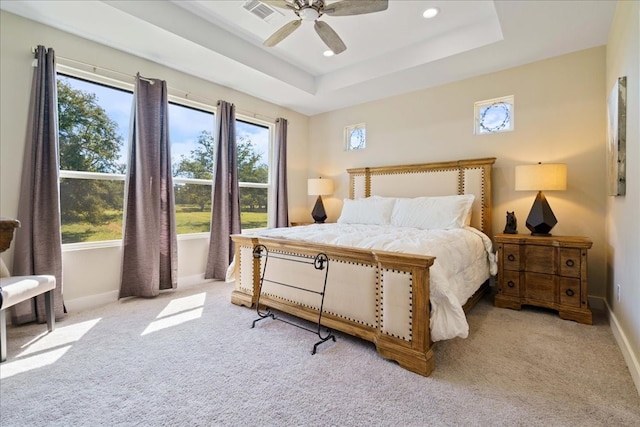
column 392, row 289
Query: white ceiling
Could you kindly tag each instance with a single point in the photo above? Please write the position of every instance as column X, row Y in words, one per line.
column 388, row 53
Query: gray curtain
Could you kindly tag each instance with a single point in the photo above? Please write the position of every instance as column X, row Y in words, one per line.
column 38, row 243
column 225, row 206
column 149, row 252
column 281, row 203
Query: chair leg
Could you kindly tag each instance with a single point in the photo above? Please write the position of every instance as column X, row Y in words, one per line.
column 50, row 311
column 3, row 336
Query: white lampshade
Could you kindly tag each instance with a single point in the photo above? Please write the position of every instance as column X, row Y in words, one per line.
column 319, row 187
column 541, row 177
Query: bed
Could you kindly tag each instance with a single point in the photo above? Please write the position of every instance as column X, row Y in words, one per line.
column 398, row 293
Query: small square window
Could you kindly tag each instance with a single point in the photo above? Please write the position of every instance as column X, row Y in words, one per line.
column 355, row 137
column 494, row 115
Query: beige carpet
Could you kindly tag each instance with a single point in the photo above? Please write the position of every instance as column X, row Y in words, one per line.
column 190, row 358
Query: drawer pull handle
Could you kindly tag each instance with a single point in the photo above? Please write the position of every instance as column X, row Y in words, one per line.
column 570, row 292
column 570, row 263
column 511, row 257
column 510, row 284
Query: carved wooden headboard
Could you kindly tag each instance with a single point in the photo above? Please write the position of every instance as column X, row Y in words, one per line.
column 472, row 176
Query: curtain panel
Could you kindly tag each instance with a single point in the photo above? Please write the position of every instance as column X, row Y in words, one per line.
column 281, row 198
column 38, row 243
column 225, row 206
column 149, row 253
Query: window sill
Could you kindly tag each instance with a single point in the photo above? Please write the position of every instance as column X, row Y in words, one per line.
column 82, row 246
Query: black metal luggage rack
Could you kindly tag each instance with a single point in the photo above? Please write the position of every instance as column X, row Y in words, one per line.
column 319, row 262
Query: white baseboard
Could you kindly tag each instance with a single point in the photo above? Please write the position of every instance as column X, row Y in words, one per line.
column 597, row 303
column 196, row 279
column 93, row 301
column 627, row 352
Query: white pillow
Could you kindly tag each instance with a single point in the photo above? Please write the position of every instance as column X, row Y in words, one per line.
column 433, row 213
column 371, row 210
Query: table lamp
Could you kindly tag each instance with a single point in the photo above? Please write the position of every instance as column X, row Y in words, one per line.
column 547, row 177
column 319, row 187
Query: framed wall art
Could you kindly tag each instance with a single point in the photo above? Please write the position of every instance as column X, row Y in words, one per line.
column 617, row 138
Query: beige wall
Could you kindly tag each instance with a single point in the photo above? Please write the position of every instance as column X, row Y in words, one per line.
column 623, row 226
column 560, row 116
column 88, row 273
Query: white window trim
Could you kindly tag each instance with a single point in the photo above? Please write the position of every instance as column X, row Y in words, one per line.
column 93, row 77
column 477, row 106
column 348, row 130
column 92, row 175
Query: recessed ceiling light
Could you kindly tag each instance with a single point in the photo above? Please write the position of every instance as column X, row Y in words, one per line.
column 431, row 12
column 328, row 53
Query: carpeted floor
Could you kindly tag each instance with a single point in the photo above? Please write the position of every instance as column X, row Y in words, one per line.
column 190, row 358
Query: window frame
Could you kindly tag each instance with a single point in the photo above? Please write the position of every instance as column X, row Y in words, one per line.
column 488, row 103
column 117, row 84
column 348, row 134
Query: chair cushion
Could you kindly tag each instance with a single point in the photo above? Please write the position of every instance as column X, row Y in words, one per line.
column 20, row 288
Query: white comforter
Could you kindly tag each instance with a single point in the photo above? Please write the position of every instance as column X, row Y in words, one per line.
column 464, row 260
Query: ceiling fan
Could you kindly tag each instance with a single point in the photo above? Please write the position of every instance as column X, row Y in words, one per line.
column 312, row 10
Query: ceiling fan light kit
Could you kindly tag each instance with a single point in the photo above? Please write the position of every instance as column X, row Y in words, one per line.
column 308, row 14
column 312, row 10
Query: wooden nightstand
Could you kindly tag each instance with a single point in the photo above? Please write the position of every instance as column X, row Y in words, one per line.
column 545, row 271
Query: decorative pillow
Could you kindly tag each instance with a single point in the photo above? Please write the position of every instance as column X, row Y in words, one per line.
column 433, row 213
column 370, row 210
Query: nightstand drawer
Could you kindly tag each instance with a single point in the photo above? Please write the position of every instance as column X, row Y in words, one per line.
column 570, row 262
column 570, row 292
column 510, row 283
column 511, row 257
column 540, row 259
column 540, row 287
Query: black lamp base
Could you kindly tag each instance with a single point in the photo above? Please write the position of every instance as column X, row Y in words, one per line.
column 541, row 218
column 318, row 213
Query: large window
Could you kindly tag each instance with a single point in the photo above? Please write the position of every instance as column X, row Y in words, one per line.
column 94, row 133
column 93, row 130
column 253, row 142
column 192, row 151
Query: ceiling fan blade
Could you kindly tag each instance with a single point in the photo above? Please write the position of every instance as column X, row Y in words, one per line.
column 355, row 7
column 278, row 3
column 329, row 37
column 282, row 33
